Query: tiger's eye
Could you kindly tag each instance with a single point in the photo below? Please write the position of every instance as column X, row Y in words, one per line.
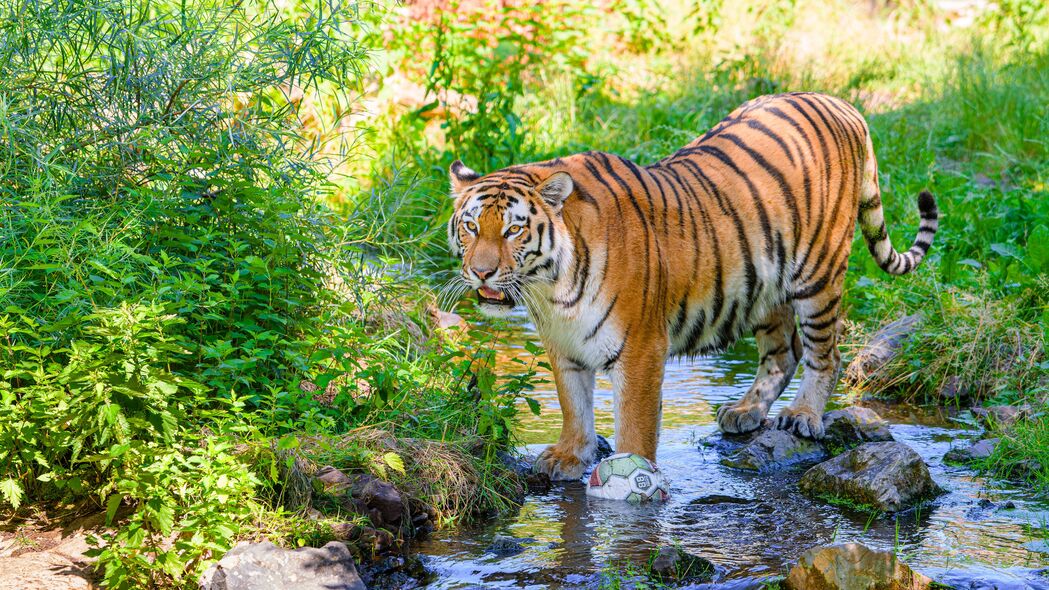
column 513, row 230
column 471, row 227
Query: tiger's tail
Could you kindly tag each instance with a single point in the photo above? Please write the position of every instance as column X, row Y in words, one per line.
column 872, row 224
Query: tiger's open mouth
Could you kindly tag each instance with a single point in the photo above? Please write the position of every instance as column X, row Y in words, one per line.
column 491, row 296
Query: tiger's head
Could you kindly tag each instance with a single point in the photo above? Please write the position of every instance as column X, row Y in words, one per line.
column 508, row 230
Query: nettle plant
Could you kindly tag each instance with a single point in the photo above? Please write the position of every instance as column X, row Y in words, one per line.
column 163, row 253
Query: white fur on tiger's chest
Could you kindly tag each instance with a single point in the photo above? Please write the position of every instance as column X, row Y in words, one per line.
column 585, row 334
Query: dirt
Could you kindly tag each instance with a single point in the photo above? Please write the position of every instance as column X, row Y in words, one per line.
column 47, row 553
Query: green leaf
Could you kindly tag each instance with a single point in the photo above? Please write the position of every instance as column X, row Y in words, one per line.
column 1038, row 247
column 12, row 492
column 1007, row 250
column 112, row 504
column 394, row 461
column 533, row 405
column 287, row 443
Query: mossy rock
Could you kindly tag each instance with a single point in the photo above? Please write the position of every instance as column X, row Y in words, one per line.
column 882, row 477
column 774, row 449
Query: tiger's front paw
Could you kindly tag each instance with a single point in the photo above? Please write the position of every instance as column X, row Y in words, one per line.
column 741, row 418
column 803, row 422
column 563, row 463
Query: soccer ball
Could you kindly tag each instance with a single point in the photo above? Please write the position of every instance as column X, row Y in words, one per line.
column 630, row 477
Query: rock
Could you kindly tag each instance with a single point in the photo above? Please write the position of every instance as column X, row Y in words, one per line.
column 952, row 390
column 880, row 476
column 774, row 449
column 535, row 482
column 849, row 427
column 384, row 499
column 714, row 499
column 329, row 480
column 394, row 572
column 674, row 565
column 882, row 348
column 264, row 566
column 980, row 449
column 603, row 448
column 423, row 517
column 362, row 493
column 852, row 566
column 505, row 546
column 1000, row 417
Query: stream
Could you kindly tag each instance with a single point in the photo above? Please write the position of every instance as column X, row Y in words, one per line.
column 980, row 534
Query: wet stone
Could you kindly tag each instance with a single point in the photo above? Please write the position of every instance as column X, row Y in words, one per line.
column 264, row 566
column 395, row 572
column 505, row 546
column 850, row 427
column 671, row 564
column 852, row 566
column 774, row 449
column 715, row 499
column 883, row 477
column 980, row 449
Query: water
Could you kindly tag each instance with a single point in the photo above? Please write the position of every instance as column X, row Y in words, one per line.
column 749, row 525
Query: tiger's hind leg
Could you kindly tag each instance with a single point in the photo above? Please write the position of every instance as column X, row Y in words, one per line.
column 779, row 350
column 818, row 315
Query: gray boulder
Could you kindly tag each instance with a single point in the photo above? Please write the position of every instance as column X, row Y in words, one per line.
column 980, row 449
column 852, row 566
column 850, row 427
column 264, row 566
column 881, row 476
column 774, row 449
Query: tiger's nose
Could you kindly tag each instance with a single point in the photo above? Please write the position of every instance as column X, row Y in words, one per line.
column 482, row 273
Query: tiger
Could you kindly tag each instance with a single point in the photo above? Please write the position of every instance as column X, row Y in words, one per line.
column 620, row 266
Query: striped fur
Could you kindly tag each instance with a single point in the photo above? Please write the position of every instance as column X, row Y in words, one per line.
column 746, row 229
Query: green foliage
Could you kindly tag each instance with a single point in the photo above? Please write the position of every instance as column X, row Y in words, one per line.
column 170, row 276
column 199, row 497
column 483, row 62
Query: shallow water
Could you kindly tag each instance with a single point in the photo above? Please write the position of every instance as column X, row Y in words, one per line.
column 766, row 525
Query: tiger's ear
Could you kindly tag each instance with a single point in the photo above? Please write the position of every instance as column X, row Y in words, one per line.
column 461, row 176
column 556, row 189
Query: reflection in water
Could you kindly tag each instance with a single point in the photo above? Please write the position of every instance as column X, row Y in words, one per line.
column 749, row 525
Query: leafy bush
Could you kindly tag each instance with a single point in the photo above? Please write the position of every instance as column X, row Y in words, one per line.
column 170, row 273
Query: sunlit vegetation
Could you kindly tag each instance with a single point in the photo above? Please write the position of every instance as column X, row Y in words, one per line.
column 213, row 217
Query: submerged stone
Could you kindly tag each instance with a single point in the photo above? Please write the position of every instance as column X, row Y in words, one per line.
column 882, row 476
column 505, row 546
column 980, row 449
column 774, row 449
column 675, row 565
column 852, row 566
column 850, row 427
